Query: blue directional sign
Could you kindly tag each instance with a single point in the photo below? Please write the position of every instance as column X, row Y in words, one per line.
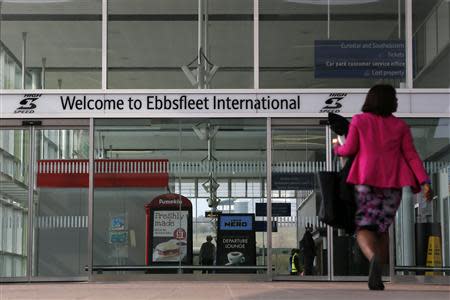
column 261, row 226
column 278, row 209
column 359, row 59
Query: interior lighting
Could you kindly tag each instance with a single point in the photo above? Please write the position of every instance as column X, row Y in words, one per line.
column 205, row 131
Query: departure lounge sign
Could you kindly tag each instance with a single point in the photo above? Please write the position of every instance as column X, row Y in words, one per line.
column 236, row 242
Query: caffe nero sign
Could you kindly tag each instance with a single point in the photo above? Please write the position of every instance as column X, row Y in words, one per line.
column 236, row 222
column 236, row 243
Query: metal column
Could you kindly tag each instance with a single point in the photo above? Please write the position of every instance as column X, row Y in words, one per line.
column 329, row 167
column 91, row 198
column 44, row 63
column 200, row 69
column 30, row 237
column 104, row 45
column 409, row 44
column 256, row 44
column 24, row 57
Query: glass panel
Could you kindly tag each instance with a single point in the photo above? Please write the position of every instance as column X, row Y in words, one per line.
column 212, row 163
column 423, row 227
column 300, row 49
column 298, row 153
column 63, row 41
column 150, row 41
column 61, row 203
column 14, row 187
column 431, row 27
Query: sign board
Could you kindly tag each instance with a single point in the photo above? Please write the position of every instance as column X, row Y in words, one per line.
column 292, row 181
column 118, row 230
column 169, row 230
column 249, row 104
column 236, row 243
column 210, row 214
column 359, row 59
column 261, row 226
column 278, row 209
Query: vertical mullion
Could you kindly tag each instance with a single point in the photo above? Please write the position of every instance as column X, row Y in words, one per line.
column 328, row 20
column 409, row 44
column 24, row 58
column 31, row 156
column 104, row 44
column 329, row 167
column 90, row 198
column 256, row 44
column 269, row 197
column 399, row 9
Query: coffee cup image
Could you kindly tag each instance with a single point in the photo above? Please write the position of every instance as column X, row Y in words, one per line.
column 235, row 258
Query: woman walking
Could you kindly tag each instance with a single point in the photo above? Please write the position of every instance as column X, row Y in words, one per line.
column 385, row 161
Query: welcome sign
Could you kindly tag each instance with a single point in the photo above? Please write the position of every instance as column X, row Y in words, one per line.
column 111, row 105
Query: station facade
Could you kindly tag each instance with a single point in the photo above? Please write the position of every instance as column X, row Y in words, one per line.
column 132, row 130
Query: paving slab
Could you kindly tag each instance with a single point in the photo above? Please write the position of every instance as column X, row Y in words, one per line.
column 180, row 290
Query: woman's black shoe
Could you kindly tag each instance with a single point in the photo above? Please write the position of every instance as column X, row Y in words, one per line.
column 375, row 282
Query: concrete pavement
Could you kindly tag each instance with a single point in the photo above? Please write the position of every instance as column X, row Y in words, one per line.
column 181, row 290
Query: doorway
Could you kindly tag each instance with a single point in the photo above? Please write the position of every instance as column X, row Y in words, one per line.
column 44, row 220
column 299, row 151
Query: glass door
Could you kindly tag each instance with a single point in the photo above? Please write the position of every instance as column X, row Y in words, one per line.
column 298, row 153
column 60, row 202
column 14, row 193
column 43, row 199
column 422, row 230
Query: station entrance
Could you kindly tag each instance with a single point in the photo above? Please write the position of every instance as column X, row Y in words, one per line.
column 57, row 175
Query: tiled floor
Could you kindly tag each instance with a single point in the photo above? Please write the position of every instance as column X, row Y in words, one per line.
column 219, row 290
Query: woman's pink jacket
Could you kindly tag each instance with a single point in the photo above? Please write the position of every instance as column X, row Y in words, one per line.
column 385, row 153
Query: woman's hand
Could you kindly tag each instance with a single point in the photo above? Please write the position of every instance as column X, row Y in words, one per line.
column 427, row 192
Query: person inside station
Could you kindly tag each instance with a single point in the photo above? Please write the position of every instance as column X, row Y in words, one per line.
column 308, row 250
column 207, row 253
column 294, row 262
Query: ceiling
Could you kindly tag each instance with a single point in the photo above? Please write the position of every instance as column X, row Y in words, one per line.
column 190, row 6
column 147, row 51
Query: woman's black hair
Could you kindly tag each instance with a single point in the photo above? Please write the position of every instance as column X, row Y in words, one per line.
column 381, row 100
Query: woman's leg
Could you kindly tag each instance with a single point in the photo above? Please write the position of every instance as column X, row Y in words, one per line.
column 383, row 247
column 367, row 241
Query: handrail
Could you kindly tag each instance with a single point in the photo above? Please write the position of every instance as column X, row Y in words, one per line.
column 407, row 268
column 175, row 267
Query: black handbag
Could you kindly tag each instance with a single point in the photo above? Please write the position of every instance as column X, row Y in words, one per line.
column 328, row 185
column 337, row 205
